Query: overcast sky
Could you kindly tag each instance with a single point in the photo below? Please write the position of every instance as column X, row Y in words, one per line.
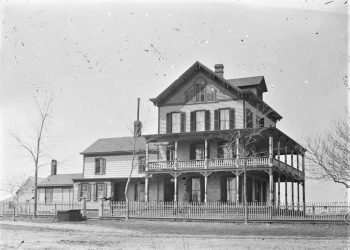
column 97, row 57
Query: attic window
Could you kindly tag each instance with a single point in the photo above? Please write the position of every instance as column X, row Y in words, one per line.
column 199, row 92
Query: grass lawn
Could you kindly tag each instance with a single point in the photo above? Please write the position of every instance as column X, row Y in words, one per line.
column 142, row 234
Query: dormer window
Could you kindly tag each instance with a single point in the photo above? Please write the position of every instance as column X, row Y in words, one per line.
column 199, row 92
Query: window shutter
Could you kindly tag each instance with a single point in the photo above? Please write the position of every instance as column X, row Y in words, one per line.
column 202, row 188
column 104, row 190
column 168, row 123
column 79, row 192
column 207, row 120
column 97, row 165
column 183, row 122
column 193, row 121
column 192, row 151
column 94, row 195
column 88, row 198
column 208, row 150
column 103, row 166
column 232, row 119
column 189, row 188
column 216, row 119
column 223, row 188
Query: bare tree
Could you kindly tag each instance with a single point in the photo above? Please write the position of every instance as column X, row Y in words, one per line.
column 330, row 154
column 247, row 141
column 16, row 187
column 33, row 146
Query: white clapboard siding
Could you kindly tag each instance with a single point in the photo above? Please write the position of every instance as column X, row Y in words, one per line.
column 237, row 105
column 117, row 166
column 41, row 195
column 57, row 195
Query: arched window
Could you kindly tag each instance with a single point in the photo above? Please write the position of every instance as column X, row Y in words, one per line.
column 200, row 91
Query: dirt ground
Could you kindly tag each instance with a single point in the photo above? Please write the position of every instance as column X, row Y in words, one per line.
column 139, row 234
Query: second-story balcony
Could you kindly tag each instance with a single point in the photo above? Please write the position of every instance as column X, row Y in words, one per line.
column 222, row 164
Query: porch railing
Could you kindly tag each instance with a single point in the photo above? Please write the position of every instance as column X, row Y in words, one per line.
column 286, row 167
column 253, row 161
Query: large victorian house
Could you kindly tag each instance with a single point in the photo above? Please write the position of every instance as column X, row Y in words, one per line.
column 212, row 132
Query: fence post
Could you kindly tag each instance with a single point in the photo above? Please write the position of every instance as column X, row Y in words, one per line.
column 100, row 210
column 83, row 207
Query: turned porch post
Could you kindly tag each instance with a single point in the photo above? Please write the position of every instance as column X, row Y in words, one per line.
column 279, row 175
column 285, row 180
column 176, row 160
column 175, row 187
column 292, row 183
column 298, row 187
column 206, row 153
column 147, row 157
column 146, row 188
column 237, row 172
column 303, row 168
column 270, row 169
column 205, row 187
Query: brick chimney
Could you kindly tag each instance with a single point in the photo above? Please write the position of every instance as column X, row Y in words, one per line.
column 219, row 69
column 137, row 123
column 53, row 167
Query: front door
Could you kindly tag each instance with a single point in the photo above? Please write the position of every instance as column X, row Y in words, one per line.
column 169, row 189
column 119, row 189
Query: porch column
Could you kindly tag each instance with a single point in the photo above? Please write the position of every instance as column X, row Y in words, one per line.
column 237, row 186
column 206, row 153
column 175, row 187
column 205, row 187
column 292, row 183
column 271, row 185
column 146, row 188
column 270, row 169
column 147, row 156
column 303, row 168
column 279, row 190
column 298, row 187
column 286, row 192
column 176, row 160
column 237, row 152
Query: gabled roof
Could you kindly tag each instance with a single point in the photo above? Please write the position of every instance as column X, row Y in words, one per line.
column 116, row 145
column 249, row 82
column 59, row 180
column 237, row 86
column 197, row 66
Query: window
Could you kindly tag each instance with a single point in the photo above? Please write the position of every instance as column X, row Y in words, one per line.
column 100, row 166
column 260, row 122
column 224, row 119
column 196, row 190
column 175, row 122
column 142, row 164
column 200, row 120
column 200, row 152
column 100, row 190
column 226, row 151
column 231, row 189
column 48, row 195
column 249, row 118
column 200, row 91
column 197, row 151
column 85, row 191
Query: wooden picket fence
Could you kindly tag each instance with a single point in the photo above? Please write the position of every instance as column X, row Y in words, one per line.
column 26, row 209
column 335, row 211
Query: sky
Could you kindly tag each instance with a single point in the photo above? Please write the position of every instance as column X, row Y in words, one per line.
column 97, row 57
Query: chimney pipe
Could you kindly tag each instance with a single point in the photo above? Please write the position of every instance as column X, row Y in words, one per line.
column 219, row 69
column 53, row 167
column 138, row 109
column 137, row 123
